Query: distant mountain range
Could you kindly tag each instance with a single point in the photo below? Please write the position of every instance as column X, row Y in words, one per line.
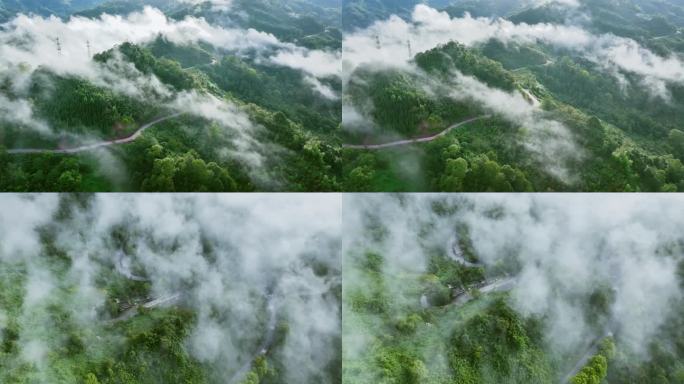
column 361, row 13
column 44, row 7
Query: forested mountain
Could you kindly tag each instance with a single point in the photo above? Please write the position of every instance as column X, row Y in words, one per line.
column 44, row 7
column 603, row 82
column 234, row 98
column 361, row 13
column 476, row 289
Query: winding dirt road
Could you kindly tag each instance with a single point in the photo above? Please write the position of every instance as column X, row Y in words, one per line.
column 90, row 147
column 401, row 143
column 266, row 343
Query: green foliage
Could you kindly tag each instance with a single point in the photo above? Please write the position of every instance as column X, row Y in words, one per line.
column 48, row 173
column 501, row 345
column 596, row 369
column 444, row 59
column 168, row 71
column 401, row 105
column 466, row 171
column 91, row 379
column 454, row 174
column 629, row 137
column 76, row 105
column 260, row 371
column 278, row 89
column 154, row 352
column 409, row 323
column 592, row 373
column 187, row 173
column 311, row 163
column 399, row 367
column 454, row 274
column 186, row 55
column 373, row 262
column 513, row 56
column 375, row 298
column 676, row 141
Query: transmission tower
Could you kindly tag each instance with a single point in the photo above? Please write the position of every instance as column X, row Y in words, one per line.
column 410, row 51
column 88, row 45
column 59, row 46
column 377, row 42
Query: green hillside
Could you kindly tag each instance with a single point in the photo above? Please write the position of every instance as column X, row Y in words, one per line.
column 294, row 126
column 627, row 136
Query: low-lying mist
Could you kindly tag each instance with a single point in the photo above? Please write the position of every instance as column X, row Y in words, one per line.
column 260, row 273
column 563, row 251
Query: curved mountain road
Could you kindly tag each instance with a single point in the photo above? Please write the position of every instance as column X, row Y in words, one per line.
column 123, row 267
column 591, row 351
column 90, row 147
column 402, row 143
column 266, row 343
column 463, row 295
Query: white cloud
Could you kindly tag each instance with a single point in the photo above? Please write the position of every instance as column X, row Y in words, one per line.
column 20, row 111
column 322, row 89
column 316, row 63
column 550, row 141
column 20, row 217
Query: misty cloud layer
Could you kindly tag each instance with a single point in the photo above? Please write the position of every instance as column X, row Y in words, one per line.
column 571, row 244
column 566, row 248
column 224, row 255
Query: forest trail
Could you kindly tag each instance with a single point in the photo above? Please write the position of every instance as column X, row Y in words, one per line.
column 90, row 147
column 401, row 143
column 591, row 352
